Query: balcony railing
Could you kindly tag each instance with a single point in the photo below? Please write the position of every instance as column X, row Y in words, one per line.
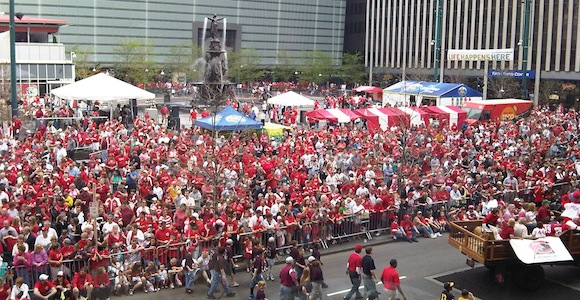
column 41, row 53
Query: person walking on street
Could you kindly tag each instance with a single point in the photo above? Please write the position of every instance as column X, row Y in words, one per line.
column 391, row 281
column 271, row 257
column 353, row 270
column 288, row 280
column 368, row 275
column 218, row 274
column 316, row 278
column 257, row 272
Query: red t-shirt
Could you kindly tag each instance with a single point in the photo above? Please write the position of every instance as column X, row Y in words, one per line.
column 354, row 262
column 506, row 231
column 390, row 278
column 163, row 235
column 55, row 255
column 44, row 286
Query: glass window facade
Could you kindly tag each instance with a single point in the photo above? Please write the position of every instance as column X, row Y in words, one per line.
column 268, row 26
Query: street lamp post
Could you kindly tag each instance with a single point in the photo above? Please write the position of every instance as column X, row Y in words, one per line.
column 525, row 43
column 13, row 92
column 438, row 33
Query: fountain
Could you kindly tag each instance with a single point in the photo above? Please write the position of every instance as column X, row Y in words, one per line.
column 215, row 88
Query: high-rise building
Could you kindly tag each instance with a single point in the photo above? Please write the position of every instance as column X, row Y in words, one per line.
column 269, row 27
column 354, row 26
column 400, row 37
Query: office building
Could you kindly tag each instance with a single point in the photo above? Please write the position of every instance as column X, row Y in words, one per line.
column 268, row 26
column 400, row 37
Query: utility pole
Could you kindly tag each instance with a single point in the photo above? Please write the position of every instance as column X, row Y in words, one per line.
column 525, row 44
column 438, row 32
column 13, row 92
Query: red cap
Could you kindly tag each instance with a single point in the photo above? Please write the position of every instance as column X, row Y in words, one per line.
column 358, row 248
column 190, row 249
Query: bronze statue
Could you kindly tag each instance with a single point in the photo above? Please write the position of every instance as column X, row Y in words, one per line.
column 213, row 28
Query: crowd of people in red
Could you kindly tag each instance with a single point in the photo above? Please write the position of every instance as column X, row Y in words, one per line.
column 158, row 190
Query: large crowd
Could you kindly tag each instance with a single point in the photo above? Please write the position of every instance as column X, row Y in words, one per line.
column 165, row 196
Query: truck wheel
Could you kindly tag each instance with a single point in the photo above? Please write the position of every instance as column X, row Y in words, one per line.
column 529, row 278
column 490, row 266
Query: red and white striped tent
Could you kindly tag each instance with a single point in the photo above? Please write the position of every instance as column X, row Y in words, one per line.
column 417, row 115
column 337, row 115
column 382, row 118
column 452, row 115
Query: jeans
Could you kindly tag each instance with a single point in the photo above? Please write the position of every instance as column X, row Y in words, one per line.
column 355, row 280
column 370, row 287
column 270, row 263
column 255, row 281
column 425, row 231
column 402, row 236
column 216, row 279
column 286, row 293
column 189, row 279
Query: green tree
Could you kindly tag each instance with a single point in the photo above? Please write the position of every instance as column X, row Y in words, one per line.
column 83, row 68
column 135, row 61
column 286, row 67
column 184, row 59
column 316, row 66
column 243, row 66
column 352, row 69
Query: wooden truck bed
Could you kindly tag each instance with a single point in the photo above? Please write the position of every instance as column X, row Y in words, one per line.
column 461, row 236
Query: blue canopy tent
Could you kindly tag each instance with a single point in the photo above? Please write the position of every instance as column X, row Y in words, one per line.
column 421, row 93
column 228, row 119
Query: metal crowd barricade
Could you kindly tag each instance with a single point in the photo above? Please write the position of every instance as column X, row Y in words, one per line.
column 30, row 274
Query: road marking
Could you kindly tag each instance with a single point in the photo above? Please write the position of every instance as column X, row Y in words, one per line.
column 360, row 288
column 437, row 282
column 563, row 284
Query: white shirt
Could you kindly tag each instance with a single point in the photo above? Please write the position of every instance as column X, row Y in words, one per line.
column 16, row 290
column 108, row 227
column 455, row 195
column 41, row 240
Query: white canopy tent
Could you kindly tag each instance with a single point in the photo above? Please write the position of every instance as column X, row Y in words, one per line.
column 291, row 99
column 101, row 87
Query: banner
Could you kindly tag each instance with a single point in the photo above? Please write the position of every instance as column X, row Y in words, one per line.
column 542, row 250
column 481, row 55
column 530, row 74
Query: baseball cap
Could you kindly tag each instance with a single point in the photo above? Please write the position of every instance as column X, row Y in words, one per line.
column 229, row 241
column 60, row 273
column 190, row 248
column 545, row 202
column 358, row 247
column 43, row 277
column 448, row 285
column 271, row 239
column 311, row 259
column 289, row 260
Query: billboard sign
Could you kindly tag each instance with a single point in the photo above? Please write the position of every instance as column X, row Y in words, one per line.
column 530, row 74
column 481, row 55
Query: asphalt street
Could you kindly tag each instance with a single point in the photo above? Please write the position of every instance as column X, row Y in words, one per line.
column 423, row 268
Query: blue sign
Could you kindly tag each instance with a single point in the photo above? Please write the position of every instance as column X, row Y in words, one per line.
column 511, row 73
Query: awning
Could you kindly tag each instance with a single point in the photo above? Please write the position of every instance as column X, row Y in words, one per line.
column 383, row 118
column 337, row 115
column 451, row 114
column 291, row 99
column 368, row 89
column 416, row 115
